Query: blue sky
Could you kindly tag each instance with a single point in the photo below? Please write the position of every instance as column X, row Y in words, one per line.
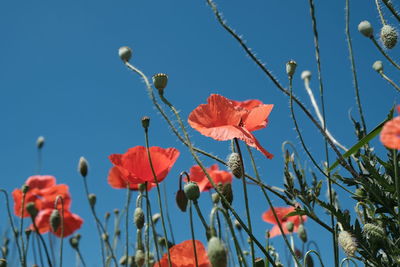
column 60, row 77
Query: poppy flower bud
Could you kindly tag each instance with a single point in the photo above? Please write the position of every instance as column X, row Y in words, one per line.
column 238, row 225
column 32, row 210
column 192, row 191
column 92, row 200
column 145, row 122
column 215, row 198
column 374, row 232
column 291, row 68
column 25, row 189
column 378, row 66
column 138, row 218
column 104, row 236
column 28, row 233
column 290, row 226
column 142, row 188
column 40, row 142
column 123, row 260
column 4, row 251
column 117, row 232
column 226, row 191
column 216, row 252
column 366, row 29
column 301, row 231
column 139, row 257
column 259, row 262
column 160, row 81
column 234, row 164
column 3, row 263
column 389, row 36
column 116, row 212
column 156, row 217
column 55, row 220
column 306, row 75
column 348, row 243
column 181, row 200
column 125, row 53
column 83, row 167
column 74, row 242
column 107, row 215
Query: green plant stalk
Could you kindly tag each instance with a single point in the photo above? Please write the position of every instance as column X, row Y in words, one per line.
column 203, row 221
column 378, row 7
column 80, row 257
column 389, row 5
column 158, row 193
column 21, row 227
column 39, row 249
column 384, row 53
column 167, row 213
column 42, row 241
column 384, row 76
column 62, row 228
column 353, row 66
column 20, row 253
column 246, row 200
column 316, row 253
column 153, row 228
column 128, row 200
column 192, row 233
column 292, row 247
column 396, row 179
column 347, row 259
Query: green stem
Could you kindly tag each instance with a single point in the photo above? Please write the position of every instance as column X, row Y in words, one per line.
column 389, row 5
column 192, row 232
column 153, row 228
column 378, row 7
column 80, row 257
column 384, row 53
column 316, row 253
column 396, row 179
column 22, row 225
column 59, row 198
column 203, row 221
column 158, row 193
column 128, row 200
column 384, row 76
column 42, row 241
column 167, row 213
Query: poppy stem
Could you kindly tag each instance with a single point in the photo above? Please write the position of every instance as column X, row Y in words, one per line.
column 384, row 76
column 192, row 232
column 389, row 5
column 167, row 213
column 153, row 228
column 203, row 221
column 293, row 249
column 42, row 241
column 80, row 256
column 128, row 200
column 397, row 66
column 158, row 194
column 22, row 225
column 59, row 198
column 396, row 179
column 246, row 199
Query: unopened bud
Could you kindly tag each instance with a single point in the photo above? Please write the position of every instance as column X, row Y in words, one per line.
column 216, row 252
column 32, row 210
column 259, row 262
column 378, row 66
column 116, row 212
column 290, row 226
column 125, row 53
column 55, row 220
column 348, row 243
column 156, row 217
column 138, row 218
column 107, row 215
column 25, row 188
column 291, row 68
column 215, row 198
column 366, row 29
column 301, row 231
column 160, row 81
column 192, row 191
column 139, row 257
column 123, row 260
column 235, row 165
column 28, row 233
column 83, row 167
column 145, row 122
column 306, row 75
column 389, row 36
column 238, row 225
column 142, row 188
column 4, row 251
column 40, row 142
column 226, row 191
column 3, row 263
column 104, row 236
column 74, row 242
column 92, row 200
column 181, row 200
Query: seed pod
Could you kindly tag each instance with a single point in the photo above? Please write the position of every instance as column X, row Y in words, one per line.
column 378, row 67
column 25, row 189
column 139, row 257
column 192, row 191
column 156, row 217
column 55, row 220
column 181, row 200
column 301, row 231
column 74, row 242
column 389, row 36
column 291, row 68
column 290, row 226
column 125, row 53
column 226, row 191
column 234, row 164
column 366, row 29
column 160, row 81
column 30, row 207
column 216, row 252
column 92, row 200
column 83, row 166
column 40, row 142
column 138, row 218
column 123, row 260
column 215, row 198
column 348, row 243
column 145, row 122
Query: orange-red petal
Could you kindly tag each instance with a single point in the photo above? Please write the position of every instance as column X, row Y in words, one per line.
column 72, row 222
column 218, row 176
column 390, row 135
column 116, row 180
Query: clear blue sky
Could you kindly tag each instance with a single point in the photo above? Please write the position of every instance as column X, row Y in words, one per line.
column 60, row 77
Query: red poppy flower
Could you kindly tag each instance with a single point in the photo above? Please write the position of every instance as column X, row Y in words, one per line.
column 390, row 135
column 116, row 180
column 182, row 255
column 43, row 191
column 219, row 176
column 224, row 119
column 72, row 222
column 134, row 165
column 281, row 213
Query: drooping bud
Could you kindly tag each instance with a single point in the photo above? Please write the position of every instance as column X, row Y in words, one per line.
column 235, row 165
column 107, row 215
column 3, row 263
column 123, row 260
column 40, row 142
column 125, row 53
column 226, row 191
column 156, row 217
column 306, row 75
column 216, row 252
column 290, row 226
column 215, row 198
column 378, row 66
column 74, row 242
column 374, row 232
column 139, row 257
column 238, row 225
column 348, row 243
column 138, row 218
column 160, row 81
column 116, row 212
column 366, row 29
column 92, row 200
column 301, row 231
column 291, row 68
column 181, row 200
column 145, row 122
column 32, row 210
column 104, row 236
column 192, row 191
column 25, row 188
column 83, row 167
column 55, row 220
column 389, row 36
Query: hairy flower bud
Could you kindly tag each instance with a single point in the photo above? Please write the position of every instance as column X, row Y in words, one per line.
column 235, row 165
column 40, row 142
column 92, row 200
column 145, row 122
column 238, row 225
column 25, row 189
column 378, row 66
column 123, row 260
column 139, row 257
column 366, row 29
column 192, row 191
column 306, row 75
column 105, row 237
column 83, row 167
column 348, row 243
column 181, row 200
column 215, row 198
column 74, row 242
column 301, row 231
column 32, row 210
column 125, row 53
column 291, row 68
column 160, row 81
column 290, row 226
column 138, row 218
column 156, row 217
column 216, row 252
column 226, row 191
column 55, row 220
column 389, row 36
column 3, row 263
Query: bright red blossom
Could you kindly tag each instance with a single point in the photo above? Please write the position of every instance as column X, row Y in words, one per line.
column 72, row 222
column 182, row 255
column 134, row 165
column 224, row 119
column 116, row 180
column 390, row 135
column 281, row 213
column 218, row 176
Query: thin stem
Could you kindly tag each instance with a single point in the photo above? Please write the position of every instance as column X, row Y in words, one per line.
column 384, row 76
column 158, row 193
column 39, row 249
column 292, row 246
column 316, row 253
column 378, row 7
column 389, row 5
column 59, row 198
column 22, row 225
column 353, row 66
column 246, row 200
column 167, row 213
column 192, row 232
column 80, row 256
column 128, row 200
column 396, row 179
column 203, row 221
column 153, row 228
column 384, row 53
column 42, row 241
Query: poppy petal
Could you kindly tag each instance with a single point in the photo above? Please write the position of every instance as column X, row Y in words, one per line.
column 390, row 135
column 257, row 118
column 41, row 181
